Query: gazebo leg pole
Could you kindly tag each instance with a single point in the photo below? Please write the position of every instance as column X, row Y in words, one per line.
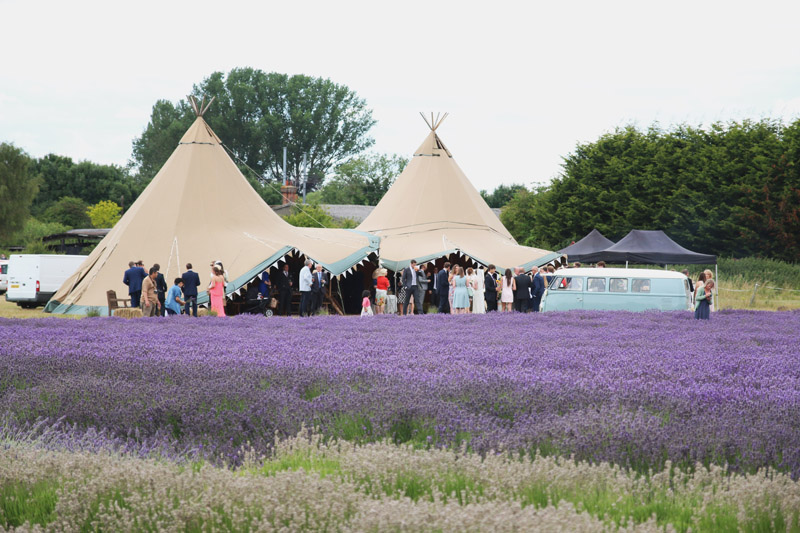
column 716, row 286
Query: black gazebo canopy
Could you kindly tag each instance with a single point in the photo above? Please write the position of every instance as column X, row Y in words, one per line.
column 593, row 242
column 649, row 247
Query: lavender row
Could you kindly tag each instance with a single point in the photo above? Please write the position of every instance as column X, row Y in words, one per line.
column 635, row 389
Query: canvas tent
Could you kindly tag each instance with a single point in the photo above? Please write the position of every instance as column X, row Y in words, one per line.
column 200, row 208
column 593, row 242
column 432, row 210
column 650, row 247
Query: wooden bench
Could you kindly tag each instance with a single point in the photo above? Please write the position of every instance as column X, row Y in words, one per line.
column 115, row 303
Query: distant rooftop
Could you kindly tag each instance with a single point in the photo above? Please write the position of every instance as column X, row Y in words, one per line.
column 342, row 211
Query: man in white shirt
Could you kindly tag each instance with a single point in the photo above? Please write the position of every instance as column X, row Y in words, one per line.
column 305, row 287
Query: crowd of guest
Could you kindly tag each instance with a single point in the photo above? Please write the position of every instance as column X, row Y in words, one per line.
column 453, row 289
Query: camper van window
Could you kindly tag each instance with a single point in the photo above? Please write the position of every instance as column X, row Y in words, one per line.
column 574, row 284
column 3, row 269
column 597, row 285
column 618, row 285
column 557, row 283
column 640, row 285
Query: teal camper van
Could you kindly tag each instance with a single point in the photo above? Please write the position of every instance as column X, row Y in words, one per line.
column 618, row 289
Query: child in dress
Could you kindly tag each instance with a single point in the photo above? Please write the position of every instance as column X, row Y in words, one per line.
column 366, row 306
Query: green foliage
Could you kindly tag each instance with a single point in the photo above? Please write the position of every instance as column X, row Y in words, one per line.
column 22, row 502
column 257, row 114
column 502, row 194
column 36, row 247
column 310, row 216
column 362, row 180
column 733, row 189
column 34, row 230
column 61, row 177
column 18, row 187
column 93, row 312
column 68, row 211
column 104, row 214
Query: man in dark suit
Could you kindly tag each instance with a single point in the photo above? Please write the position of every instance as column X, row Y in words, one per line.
column 319, row 284
column 409, row 283
column 191, row 280
column 161, row 290
column 443, row 288
column 133, row 279
column 523, row 292
column 433, row 286
column 537, row 290
column 490, row 289
column 284, row 282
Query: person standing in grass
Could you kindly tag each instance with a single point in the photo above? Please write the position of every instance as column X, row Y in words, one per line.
column 443, row 288
column 133, row 278
column 216, row 291
column 701, row 280
column 366, row 308
column 460, row 293
column 710, row 277
column 509, row 285
column 173, row 302
column 702, row 307
column 191, row 280
column 381, row 288
column 149, row 296
column 306, row 279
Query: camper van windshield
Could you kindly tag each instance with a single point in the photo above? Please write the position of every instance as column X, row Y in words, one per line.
column 567, row 283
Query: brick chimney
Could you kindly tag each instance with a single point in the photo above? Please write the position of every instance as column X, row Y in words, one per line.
column 288, row 194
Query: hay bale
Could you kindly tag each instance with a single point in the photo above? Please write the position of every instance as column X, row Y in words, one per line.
column 128, row 312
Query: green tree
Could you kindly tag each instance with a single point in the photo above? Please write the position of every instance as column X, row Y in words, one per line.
column 34, row 230
column 502, row 194
column 257, row 114
column 104, row 214
column 311, row 215
column 60, row 176
column 362, row 180
column 70, row 212
column 729, row 189
column 18, row 187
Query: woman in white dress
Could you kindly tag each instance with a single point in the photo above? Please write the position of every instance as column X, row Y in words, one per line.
column 478, row 301
column 509, row 285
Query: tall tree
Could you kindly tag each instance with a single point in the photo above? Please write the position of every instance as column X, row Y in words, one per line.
column 257, row 114
column 502, row 194
column 60, row 176
column 362, row 180
column 729, row 189
column 17, row 189
column 70, row 212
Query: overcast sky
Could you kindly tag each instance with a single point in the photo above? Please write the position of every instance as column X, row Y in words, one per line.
column 523, row 82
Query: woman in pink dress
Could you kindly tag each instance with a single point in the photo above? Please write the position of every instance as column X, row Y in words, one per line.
column 216, row 292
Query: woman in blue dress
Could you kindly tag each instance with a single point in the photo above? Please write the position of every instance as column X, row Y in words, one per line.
column 460, row 293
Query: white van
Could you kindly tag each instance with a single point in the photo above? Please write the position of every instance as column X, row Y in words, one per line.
column 622, row 289
column 34, row 279
column 3, row 275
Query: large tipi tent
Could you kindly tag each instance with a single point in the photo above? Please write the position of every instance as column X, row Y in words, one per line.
column 432, row 210
column 200, row 208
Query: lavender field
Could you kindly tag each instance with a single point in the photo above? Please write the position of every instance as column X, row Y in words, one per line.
column 632, row 389
column 650, row 392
